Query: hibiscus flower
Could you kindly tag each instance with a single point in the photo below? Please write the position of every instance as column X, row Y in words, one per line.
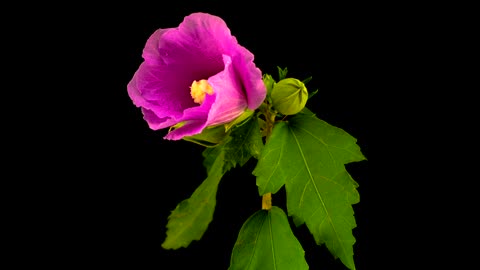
column 195, row 76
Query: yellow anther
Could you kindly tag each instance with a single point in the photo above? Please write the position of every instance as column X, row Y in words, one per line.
column 199, row 89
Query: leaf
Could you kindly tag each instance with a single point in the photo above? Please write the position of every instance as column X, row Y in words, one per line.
column 311, row 94
column 282, row 73
column 210, row 155
column 305, row 81
column 246, row 142
column 271, row 166
column 191, row 217
column 308, row 156
column 265, row 242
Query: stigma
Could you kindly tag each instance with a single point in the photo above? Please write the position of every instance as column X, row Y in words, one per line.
column 199, row 89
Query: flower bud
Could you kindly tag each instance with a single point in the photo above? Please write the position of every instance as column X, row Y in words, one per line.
column 289, row 96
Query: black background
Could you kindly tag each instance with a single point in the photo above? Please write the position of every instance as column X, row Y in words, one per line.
column 111, row 182
column 335, row 47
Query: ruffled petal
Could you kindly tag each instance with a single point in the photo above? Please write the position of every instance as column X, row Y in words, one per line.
column 227, row 103
column 151, row 53
column 191, row 128
column 195, row 119
column 154, row 122
column 173, row 59
column 231, row 100
column 251, row 78
column 166, row 98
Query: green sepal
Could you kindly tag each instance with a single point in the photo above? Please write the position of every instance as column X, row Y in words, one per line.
column 242, row 119
column 210, row 136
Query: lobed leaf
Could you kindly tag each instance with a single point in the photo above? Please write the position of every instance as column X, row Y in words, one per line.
column 191, row 217
column 308, row 155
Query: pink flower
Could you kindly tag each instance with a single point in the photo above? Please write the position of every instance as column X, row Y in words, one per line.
column 196, row 75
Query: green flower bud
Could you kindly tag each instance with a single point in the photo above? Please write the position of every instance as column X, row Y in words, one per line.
column 289, row 96
column 269, row 82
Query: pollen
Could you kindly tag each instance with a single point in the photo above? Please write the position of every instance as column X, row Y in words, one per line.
column 199, row 89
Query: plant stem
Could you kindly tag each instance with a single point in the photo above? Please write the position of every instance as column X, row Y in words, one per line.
column 267, row 201
column 270, row 120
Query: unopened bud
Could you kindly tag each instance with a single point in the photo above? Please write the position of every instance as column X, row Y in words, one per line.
column 289, row 96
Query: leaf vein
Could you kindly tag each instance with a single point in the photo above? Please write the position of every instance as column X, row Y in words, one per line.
column 277, row 165
column 271, row 240
column 243, row 141
column 328, row 145
column 255, row 246
column 316, row 190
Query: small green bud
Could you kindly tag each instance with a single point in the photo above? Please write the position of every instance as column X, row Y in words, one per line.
column 289, row 96
column 269, row 82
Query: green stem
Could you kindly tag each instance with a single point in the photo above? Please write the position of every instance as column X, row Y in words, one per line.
column 267, row 201
column 270, row 121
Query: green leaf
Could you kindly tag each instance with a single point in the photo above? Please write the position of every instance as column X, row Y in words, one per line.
column 272, row 165
column 311, row 94
column 305, row 81
column 308, row 156
column 282, row 73
column 246, row 142
column 210, row 155
column 265, row 242
column 192, row 216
